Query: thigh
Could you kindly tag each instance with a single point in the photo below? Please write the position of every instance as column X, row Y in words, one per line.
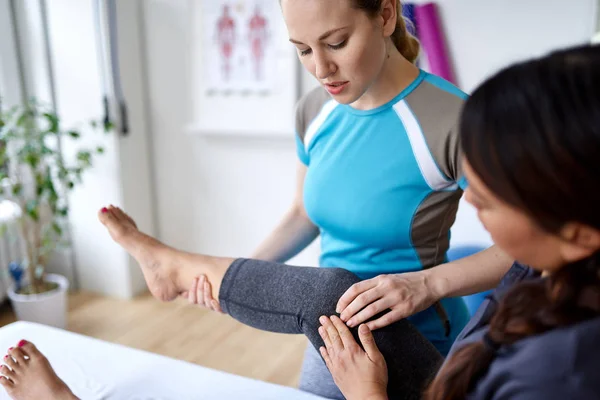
column 315, row 378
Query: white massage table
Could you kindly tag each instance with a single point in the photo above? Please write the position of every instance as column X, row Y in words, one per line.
column 96, row 370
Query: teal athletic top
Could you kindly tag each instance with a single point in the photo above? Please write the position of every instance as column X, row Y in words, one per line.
column 383, row 186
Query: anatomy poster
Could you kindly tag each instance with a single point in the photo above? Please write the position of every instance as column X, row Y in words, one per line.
column 239, row 47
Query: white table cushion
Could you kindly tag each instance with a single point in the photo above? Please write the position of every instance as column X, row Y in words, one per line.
column 95, row 369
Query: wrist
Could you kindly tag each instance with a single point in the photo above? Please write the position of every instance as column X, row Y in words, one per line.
column 436, row 283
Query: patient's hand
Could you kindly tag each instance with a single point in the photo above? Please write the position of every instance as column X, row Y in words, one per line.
column 359, row 374
column 201, row 294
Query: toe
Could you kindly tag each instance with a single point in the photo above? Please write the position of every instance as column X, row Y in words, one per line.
column 18, row 355
column 122, row 216
column 104, row 215
column 7, row 372
column 8, row 360
column 117, row 213
column 6, row 383
column 29, row 349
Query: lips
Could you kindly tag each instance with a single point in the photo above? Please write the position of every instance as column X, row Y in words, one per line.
column 335, row 88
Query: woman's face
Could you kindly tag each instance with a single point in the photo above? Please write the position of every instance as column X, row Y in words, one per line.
column 512, row 230
column 339, row 45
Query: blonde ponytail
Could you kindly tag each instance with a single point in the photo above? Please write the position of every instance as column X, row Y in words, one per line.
column 405, row 42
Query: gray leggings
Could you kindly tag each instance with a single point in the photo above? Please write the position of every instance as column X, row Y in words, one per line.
column 287, row 299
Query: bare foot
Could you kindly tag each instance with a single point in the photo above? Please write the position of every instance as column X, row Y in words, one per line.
column 156, row 260
column 27, row 375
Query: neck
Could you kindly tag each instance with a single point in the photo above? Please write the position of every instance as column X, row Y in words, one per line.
column 396, row 75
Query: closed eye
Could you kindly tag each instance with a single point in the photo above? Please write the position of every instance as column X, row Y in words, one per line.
column 338, row 46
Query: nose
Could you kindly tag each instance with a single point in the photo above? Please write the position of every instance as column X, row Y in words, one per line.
column 324, row 67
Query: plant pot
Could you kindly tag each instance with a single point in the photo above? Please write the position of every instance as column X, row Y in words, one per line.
column 49, row 308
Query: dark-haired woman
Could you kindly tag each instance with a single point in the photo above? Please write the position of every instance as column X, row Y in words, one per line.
column 531, row 137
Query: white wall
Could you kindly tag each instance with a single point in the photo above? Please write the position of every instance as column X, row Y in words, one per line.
column 122, row 176
column 222, row 196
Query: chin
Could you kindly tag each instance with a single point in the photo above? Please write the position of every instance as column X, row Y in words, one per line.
column 345, row 98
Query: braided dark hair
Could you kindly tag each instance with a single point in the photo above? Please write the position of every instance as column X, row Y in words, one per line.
column 532, row 134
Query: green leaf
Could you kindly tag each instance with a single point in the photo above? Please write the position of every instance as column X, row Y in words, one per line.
column 70, row 185
column 32, row 158
column 3, row 229
column 17, row 189
column 63, row 173
column 63, row 212
column 100, row 150
column 24, row 118
column 94, row 124
column 31, row 208
column 57, row 228
column 108, row 126
column 47, row 150
column 84, row 155
column 52, row 121
column 74, row 134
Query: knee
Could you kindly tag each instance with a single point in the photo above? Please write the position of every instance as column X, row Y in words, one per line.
column 339, row 280
column 332, row 284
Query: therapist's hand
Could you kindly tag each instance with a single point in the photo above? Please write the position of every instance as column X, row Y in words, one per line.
column 402, row 294
column 201, row 294
column 360, row 374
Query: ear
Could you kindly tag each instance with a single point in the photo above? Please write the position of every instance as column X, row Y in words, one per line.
column 389, row 16
column 579, row 241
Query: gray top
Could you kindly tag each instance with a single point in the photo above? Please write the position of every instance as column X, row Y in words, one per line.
column 559, row 364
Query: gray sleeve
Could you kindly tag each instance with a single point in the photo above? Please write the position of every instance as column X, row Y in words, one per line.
column 438, row 113
column 308, row 108
column 554, row 390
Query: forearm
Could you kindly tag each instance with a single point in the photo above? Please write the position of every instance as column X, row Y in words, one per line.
column 473, row 274
column 293, row 234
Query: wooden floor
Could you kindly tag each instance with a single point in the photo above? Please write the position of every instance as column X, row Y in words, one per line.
column 187, row 333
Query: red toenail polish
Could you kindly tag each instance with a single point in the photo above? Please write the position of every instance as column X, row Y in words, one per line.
column 22, row 343
column 104, row 209
column 10, row 348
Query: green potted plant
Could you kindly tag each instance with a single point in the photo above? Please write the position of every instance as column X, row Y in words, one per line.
column 35, row 179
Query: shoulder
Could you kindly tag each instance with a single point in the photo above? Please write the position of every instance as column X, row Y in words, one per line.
column 438, row 100
column 566, row 357
column 432, row 111
column 309, row 107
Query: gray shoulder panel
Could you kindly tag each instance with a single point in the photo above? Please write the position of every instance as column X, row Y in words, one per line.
column 308, row 108
column 438, row 113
